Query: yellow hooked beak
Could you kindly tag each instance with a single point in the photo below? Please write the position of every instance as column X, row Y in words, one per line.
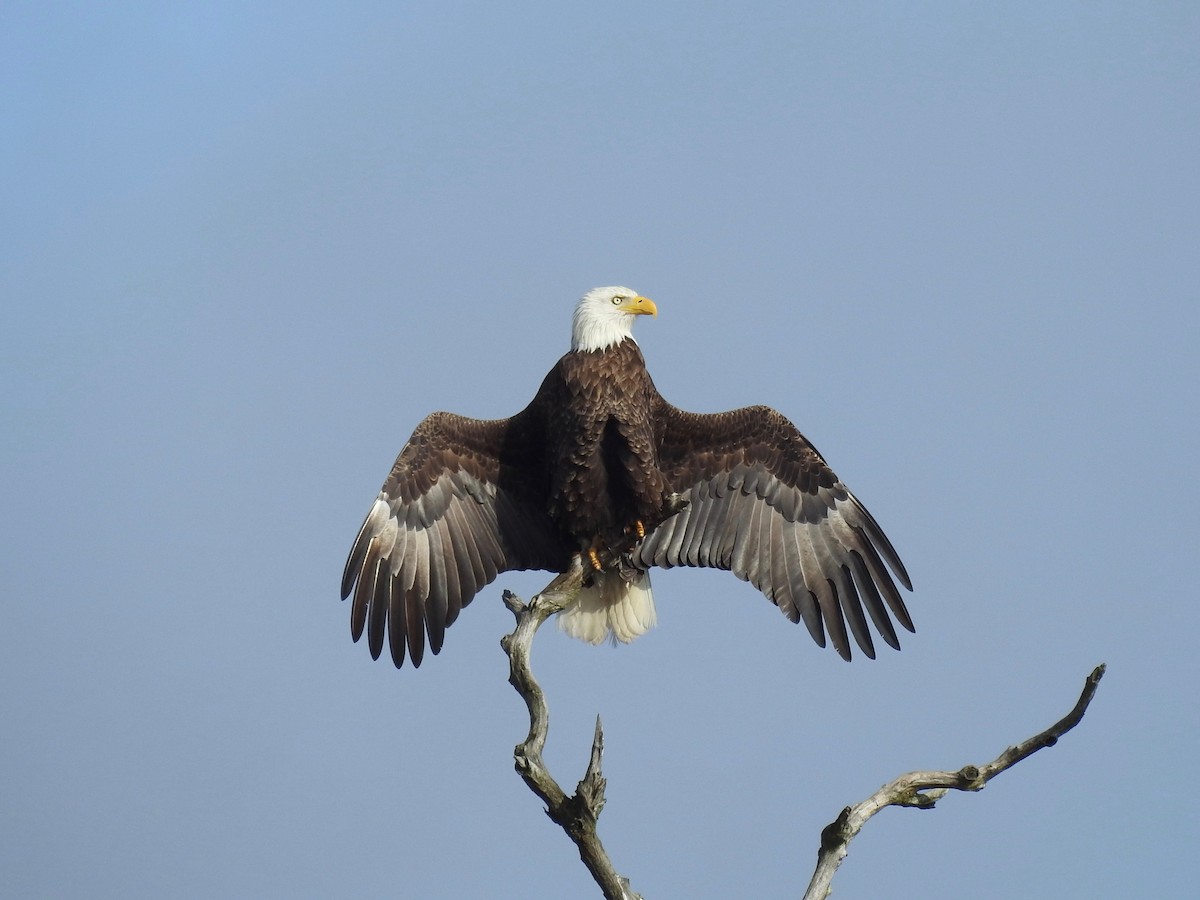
column 639, row 306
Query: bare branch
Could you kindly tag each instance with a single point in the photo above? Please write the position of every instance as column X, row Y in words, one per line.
column 923, row 789
column 577, row 814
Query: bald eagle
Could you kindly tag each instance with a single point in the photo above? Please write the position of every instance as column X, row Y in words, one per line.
column 600, row 465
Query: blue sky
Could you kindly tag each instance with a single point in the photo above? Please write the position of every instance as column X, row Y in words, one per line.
column 246, row 250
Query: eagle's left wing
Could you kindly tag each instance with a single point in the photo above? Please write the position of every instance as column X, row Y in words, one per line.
column 464, row 502
column 762, row 503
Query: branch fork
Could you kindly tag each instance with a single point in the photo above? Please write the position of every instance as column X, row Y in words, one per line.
column 575, row 814
column 922, row 790
column 578, row 813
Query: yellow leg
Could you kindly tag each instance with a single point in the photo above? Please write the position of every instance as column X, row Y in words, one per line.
column 594, row 559
column 638, row 528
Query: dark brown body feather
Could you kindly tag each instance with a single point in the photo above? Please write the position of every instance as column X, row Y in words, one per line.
column 597, row 449
column 603, row 453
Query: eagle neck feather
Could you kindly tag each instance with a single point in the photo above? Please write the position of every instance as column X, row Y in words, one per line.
column 590, row 333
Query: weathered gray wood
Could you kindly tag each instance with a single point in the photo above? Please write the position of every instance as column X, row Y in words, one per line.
column 923, row 789
column 576, row 814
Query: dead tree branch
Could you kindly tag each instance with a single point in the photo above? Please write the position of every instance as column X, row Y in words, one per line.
column 923, row 789
column 576, row 814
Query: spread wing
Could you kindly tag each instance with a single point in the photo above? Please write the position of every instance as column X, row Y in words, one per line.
column 465, row 501
column 764, row 504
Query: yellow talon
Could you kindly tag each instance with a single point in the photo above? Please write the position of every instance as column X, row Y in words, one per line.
column 594, row 559
column 639, row 528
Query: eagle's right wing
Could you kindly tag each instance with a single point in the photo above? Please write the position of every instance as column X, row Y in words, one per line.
column 762, row 503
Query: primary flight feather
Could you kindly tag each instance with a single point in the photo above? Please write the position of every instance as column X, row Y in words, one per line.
column 599, row 464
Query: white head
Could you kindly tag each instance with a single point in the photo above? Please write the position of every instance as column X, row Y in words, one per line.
column 604, row 317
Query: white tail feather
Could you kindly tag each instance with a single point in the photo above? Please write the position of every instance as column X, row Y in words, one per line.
column 611, row 608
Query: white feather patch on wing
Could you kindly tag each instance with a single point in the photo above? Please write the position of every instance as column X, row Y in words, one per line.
column 611, row 608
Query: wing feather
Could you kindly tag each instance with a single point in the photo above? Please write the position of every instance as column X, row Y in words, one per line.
column 397, row 629
column 781, row 584
column 745, row 543
column 440, row 587
column 715, row 515
column 762, row 502
column 371, row 526
column 422, row 576
column 414, row 626
column 464, row 502
column 831, row 615
column 697, row 527
column 379, row 610
column 806, row 600
column 873, row 602
column 852, row 607
column 363, row 593
column 466, row 556
column 656, row 543
column 673, row 549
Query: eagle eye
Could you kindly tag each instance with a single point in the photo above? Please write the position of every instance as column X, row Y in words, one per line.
column 616, row 301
